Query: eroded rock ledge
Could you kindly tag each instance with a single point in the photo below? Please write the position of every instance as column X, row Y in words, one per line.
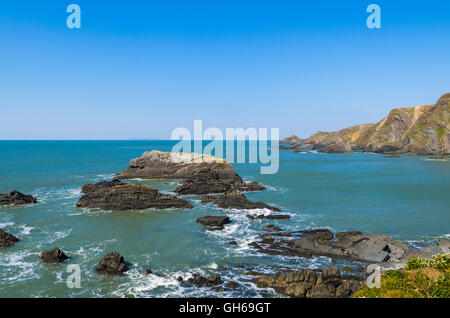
column 350, row 245
column 116, row 195
column 16, row 198
column 306, row 283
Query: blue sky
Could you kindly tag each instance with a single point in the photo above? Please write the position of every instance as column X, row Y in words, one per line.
column 143, row 68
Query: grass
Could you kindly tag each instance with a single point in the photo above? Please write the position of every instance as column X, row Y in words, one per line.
column 421, row 278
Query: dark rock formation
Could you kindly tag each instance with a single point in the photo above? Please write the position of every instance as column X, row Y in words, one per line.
column 305, row 283
column 6, row 239
column 54, row 255
column 268, row 217
column 203, row 182
column 201, row 281
column 115, row 195
column 113, row 264
column 16, row 198
column 215, row 221
column 236, row 200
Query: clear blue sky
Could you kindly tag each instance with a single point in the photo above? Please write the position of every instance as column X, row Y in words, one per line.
column 143, row 68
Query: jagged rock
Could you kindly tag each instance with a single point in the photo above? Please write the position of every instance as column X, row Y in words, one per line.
column 201, row 281
column 6, row 239
column 115, row 195
column 203, row 182
column 215, row 221
column 305, row 283
column 236, row 200
column 112, row 264
column 55, row 255
column 16, row 198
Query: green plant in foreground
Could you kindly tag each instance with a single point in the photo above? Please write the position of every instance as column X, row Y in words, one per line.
column 421, row 278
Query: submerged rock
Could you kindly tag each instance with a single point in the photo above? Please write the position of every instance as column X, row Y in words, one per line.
column 112, row 264
column 268, row 217
column 6, row 239
column 215, row 221
column 16, row 198
column 236, row 200
column 54, row 255
column 305, row 283
column 115, row 195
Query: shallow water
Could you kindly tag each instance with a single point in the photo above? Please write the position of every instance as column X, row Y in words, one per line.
column 405, row 198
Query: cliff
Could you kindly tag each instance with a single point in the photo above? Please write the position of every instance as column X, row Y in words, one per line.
column 415, row 130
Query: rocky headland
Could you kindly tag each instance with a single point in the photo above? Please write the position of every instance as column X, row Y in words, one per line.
column 421, row 130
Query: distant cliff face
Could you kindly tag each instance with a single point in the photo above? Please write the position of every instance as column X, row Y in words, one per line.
column 417, row 130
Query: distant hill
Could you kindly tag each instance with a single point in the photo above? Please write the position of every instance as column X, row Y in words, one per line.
column 416, row 130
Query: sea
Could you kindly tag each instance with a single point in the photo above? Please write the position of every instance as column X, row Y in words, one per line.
column 406, row 198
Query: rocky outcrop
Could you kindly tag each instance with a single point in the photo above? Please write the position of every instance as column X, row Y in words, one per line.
column 54, row 255
column 16, row 198
column 116, row 195
column 201, row 174
column 236, row 200
column 208, row 198
column 422, row 130
column 213, row 221
column 305, row 283
column 201, row 281
column 157, row 164
column 113, row 264
column 6, row 239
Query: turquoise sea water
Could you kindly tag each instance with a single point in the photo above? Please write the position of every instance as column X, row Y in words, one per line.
column 406, row 198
